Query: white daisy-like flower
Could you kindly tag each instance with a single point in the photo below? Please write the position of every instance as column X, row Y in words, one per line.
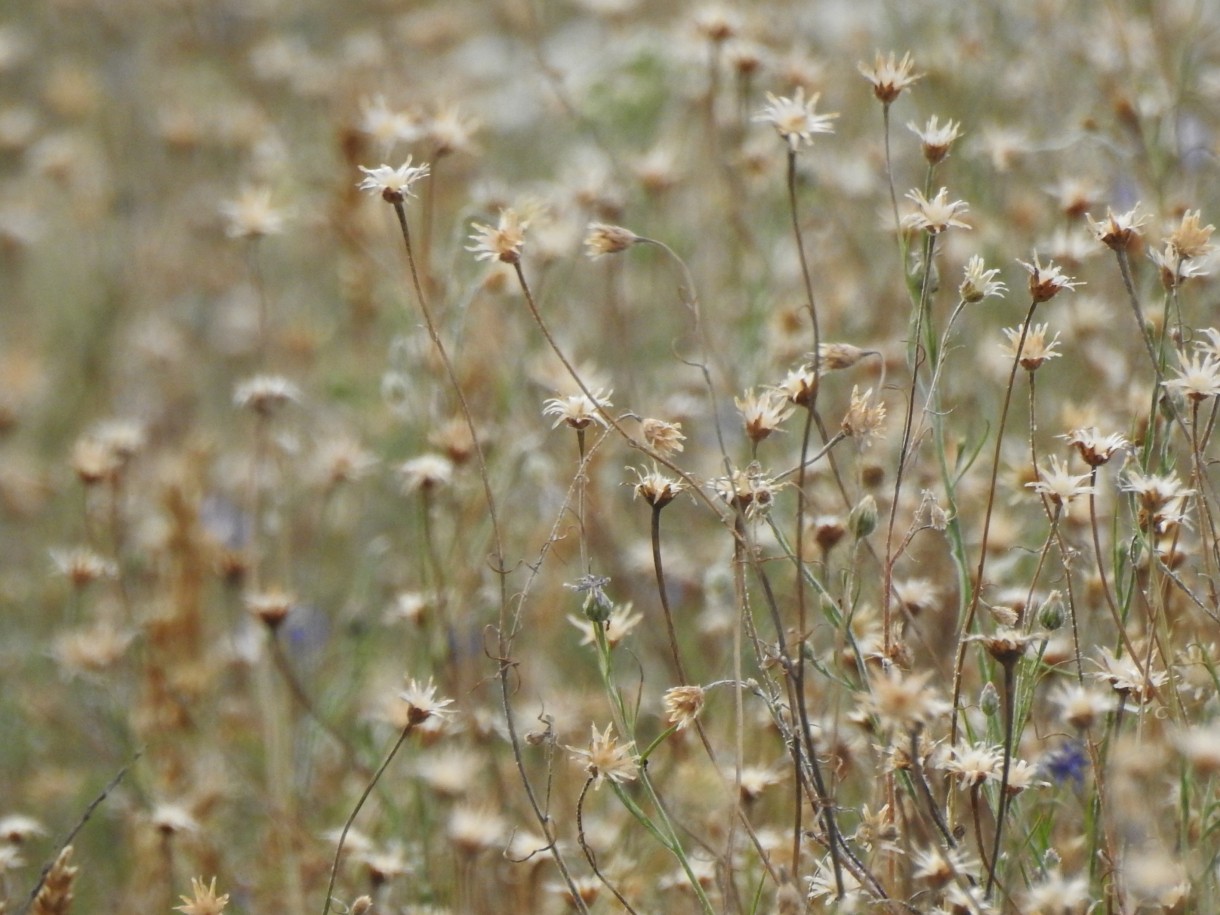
column 795, row 119
column 393, row 184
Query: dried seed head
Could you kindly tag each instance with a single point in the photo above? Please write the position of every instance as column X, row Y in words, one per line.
column 1047, row 281
column 393, row 185
column 655, row 488
column 762, row 414
column 890, row 76
column 683, row 705
column 604, row 239
column 936, row 140
column 1118, row 232
column 664, row 438
column 502, row 242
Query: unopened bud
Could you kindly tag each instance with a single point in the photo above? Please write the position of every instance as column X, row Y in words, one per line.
column 989, row 700
column 1051, row 614
column 863, row 518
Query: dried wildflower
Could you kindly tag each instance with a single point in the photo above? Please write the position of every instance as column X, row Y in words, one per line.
column 1056, row 894
column 930, row 514
column 1006, row 645
column 342, row 460
column 889, row 76
column 452, row 132
column 655, row 488
column 683, row 705
column 1200, row 747
column 271, row 605
column 475, row 829
column 935, row 139
column 1124, row 677
column 618, row 623
column 664, row 438
column 265, row 394
column 606, row 758
column 451, row 772
column 361, row 905
column 172, row 819
column 383, row 864
column 1174, row 269
column 422, row 702
column 1094, row 449
column 762, row 414
column 251, row 215
column 1118, row 232
column 17, row 828
column 82, row 566
column 204, row 900
column 94, row 461
column 1190, row 240
column 1081, row 706
column 717, row 23
column 904, row 701
column 835, row 356
column 864, row 418
column 386, row 125
column 1047, row 281
column 501, row 243
column 799, row 386
column 393, row 184
column 795, row 119
column 915, row 595
column 1198, row 376
column 578, row 410
column 939, row 867
column 1160, row 499
column 971, row 765
column 602, row 239
column 757, row 779
column 426, row 473
column 935, row 215
column 1061, row 487
column 1035, row 351
column 979, row 283
column 749, row 490
column 91, row 649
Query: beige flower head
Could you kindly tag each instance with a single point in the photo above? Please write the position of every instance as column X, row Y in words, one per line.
column 1118, row 232
column 251, row 215
column 795, row 118
column 936, row 139
column 605, row 758
column 503, row 242
column 1047, row 280
column 203, row 900
column 889, row 75
column 662, row 437
column 935, row 215
column 655, row 488
column 579, row 411
column 980, row 283
column 683, row 705
column 1190, row 240
column 865, row 418
column 1035, row 350
column 422, row 702
column 762, row 414
column 602, row 239
column 393, row 185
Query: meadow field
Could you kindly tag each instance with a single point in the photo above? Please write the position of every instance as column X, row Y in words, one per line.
column 481, row 456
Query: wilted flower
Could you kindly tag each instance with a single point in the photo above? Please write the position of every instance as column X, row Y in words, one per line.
column 1125, row 677
column 1198, row 376
column 747, row 490
column 890, row 76
column 1094, row 449
column 1190, row 240
column 1035, row 350
column 606, row 758
column 971, row 765
column 762, row 414
column 1082, row 706
column 1047, row 281
column 618, row 622
column 422, row 702
column 501, row 243
column 264, row 394
column 935, row 139
column 1059, row 486
column 662, row 437
column 864, row 419
column 604, row 239
column 250, row 214
column 655, row 488
column 204, row 900
column 425, row 473
column 979, row 283
column 795, row 119
column 393, row 184
column 683, row 705
column 1160, row 499
column 1118, row 232
column 904, row 701
column 578, row 410
column 935, row 215
column 799, row 386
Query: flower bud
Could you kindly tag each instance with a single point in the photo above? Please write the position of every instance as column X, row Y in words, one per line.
column 863, row 518
column 989, row 700
column 1052, row 614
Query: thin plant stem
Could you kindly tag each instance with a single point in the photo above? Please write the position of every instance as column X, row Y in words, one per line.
column 968, row 622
